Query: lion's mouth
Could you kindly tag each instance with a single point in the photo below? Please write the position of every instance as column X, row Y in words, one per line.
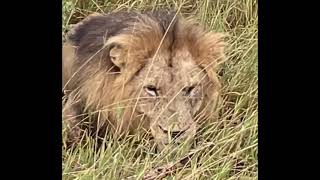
column 174, row 134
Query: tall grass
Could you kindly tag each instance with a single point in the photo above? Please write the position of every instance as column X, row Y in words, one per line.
column 225, row 149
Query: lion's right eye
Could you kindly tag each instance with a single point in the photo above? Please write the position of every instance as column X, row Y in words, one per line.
column 151, row 90
column 189, row 91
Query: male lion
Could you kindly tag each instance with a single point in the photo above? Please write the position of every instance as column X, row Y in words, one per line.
column 127, row 70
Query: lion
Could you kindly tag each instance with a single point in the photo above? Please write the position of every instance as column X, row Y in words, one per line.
column 132, row 71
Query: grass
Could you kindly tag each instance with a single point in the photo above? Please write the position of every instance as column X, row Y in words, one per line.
column 233, row 139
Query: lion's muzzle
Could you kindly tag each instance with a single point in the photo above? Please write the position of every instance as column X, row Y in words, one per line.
column 165, row 136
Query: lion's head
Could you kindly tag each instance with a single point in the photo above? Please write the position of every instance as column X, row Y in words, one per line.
column 163, row 71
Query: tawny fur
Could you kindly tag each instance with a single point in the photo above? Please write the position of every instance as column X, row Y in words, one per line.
column 104, row 53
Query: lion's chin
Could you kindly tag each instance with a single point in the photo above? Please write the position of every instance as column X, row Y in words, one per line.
column 163, row 143
column 174, row 145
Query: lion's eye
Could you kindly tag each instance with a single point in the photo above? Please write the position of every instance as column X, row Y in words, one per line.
column 189, row 91
column 151, row 90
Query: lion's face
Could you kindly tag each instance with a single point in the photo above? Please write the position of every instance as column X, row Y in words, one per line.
column 171, row 96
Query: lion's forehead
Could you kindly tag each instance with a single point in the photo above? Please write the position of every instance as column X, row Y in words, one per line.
column 183, row 74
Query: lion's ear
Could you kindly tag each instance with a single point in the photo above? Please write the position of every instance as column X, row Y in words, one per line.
column 211, row 49
column 210, row 52
column 116, row 54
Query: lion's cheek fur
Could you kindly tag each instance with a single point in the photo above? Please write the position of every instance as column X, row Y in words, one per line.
column 116, row 103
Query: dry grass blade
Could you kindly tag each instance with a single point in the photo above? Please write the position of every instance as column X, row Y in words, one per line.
column 168, row 169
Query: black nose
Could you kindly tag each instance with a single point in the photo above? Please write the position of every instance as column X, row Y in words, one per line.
column 174, row 134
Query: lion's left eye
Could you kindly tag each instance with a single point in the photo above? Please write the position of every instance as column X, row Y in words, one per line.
column 151, row 90
column 189, row 91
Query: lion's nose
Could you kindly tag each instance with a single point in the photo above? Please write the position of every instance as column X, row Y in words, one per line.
column 174, row 134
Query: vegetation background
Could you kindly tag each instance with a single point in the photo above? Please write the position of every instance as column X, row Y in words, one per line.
column 226, row 149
